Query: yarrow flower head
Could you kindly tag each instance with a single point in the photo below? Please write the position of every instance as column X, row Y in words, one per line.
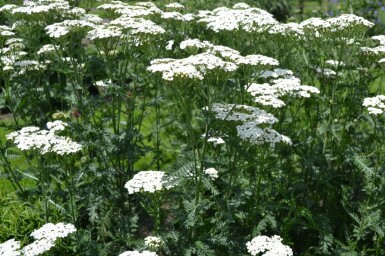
column 212, row 173
column 137, row 253
column 153, row 243
column 375, row 105
column 192, row 67
column 175, row 6
column 53, row 231
column 46, row 237
column 216, row 140
column 238, row 18
column 147, row 181
column 45, row 141
column 269, row 246
column 10, row 248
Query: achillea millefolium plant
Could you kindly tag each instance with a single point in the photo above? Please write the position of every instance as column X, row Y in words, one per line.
column 155, row 129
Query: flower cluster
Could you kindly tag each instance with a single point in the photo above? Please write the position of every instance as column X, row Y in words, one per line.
column 193, row 67
column 268, row 94
column 140, row 9
column 342, row 23
column 153, row 243
column 60, row 29
column 216, row 140
column 137, row 26
column 147, row 181
column 269, row 246
column 10, row 248
column 175, row 6
column 212, row 173
column 45, row 141
column 376, row 105
column 45, row 236
column 237, row 18
column 103, row 32
column 137, row 253
column 250, row 118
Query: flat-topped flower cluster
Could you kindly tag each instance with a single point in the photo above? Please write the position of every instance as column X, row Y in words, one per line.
column 45, row 141
column 147, row 181
column 269, row 246
column 45, row 238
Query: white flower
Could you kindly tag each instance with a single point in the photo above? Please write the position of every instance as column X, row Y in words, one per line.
column 153, row 242
column 38, row 247
column 104, row 32
column 288, row 29
column 380, row 38
column 169, row 45
column 8, row 7
column 346, row 21
column 335, row 63
column 147, row 181
column 137, row 253
column 211, row 172
column 29, row 138
column 192, row 67
column 216, row 140
column 255, row 60
column 243, row 113
column 104, row 83
column 379, row 50
column 241, row 6
column 249, row 19
column 375, row 104
column 137, row 26
column 53, row 231
column 326, row 72
column 277, row 72
column 172, row 16
column 56, row 126
column 255, row 135
column 175, row 6
column 268, row 246
column 10, row 248
column 48, row 48
column 46, row 237
column 269, row 100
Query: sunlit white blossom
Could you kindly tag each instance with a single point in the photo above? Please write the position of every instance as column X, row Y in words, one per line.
column 216, row 140
column 46, row 237
column 277, row 72
column 212, row 173
column 56, row 126
column 153, row 243
column 136, row 26
column 193, row 67
column 104, row 32
column 53, row 231
column 38, row 247
column 147, row 181
column 10, row 248
column 175, row 6
column 380, row 39
column 226, row 19
column 47, row 48
column 45, row 141
column 137, row 253
column 243, row 113
column 375, row 105
column 172, row 16
column 169, row 45
column 256, row 135
column 255, row 60
column 268, row 246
